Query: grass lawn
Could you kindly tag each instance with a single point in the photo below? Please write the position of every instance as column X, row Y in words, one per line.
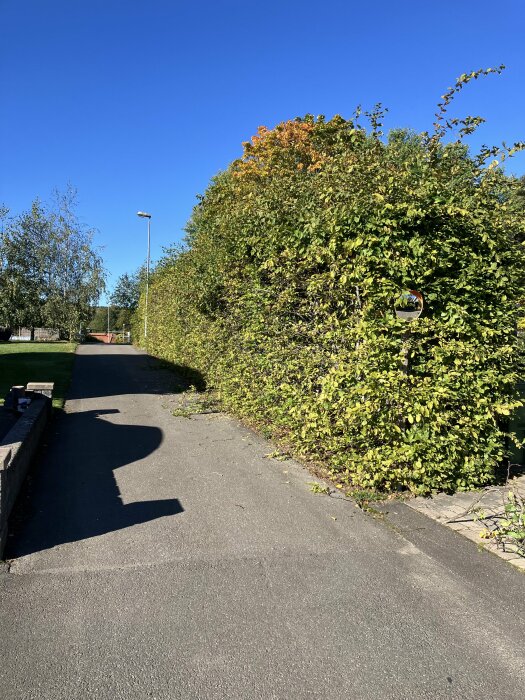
column 36, row 362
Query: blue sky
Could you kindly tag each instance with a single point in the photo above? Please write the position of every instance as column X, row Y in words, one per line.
column 139, row 103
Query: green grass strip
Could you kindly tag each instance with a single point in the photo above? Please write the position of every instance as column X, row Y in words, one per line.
column 25, row 362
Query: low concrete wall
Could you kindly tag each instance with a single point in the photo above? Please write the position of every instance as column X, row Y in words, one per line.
column 17, row 449
column 103, row 337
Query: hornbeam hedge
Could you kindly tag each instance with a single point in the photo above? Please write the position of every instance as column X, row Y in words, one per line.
column 283, row 298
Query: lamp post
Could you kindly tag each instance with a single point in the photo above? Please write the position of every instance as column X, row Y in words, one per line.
column 144, row 215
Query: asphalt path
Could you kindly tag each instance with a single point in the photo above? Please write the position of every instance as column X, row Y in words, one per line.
column 155, row 556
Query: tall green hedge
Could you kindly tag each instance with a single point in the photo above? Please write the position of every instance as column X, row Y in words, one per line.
column 283, row 297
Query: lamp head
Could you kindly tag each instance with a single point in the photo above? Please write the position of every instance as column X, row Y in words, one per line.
column 144, row 214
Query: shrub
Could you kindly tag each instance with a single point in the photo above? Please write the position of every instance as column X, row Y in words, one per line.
column 283, row 298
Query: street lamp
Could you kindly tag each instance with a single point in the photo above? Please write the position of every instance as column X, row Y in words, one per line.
column 144, row 215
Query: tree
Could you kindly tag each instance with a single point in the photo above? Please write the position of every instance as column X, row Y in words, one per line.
column 50, row 274
column 98, row 322
column 125, row 296
column 25, row 252
column 127, row 290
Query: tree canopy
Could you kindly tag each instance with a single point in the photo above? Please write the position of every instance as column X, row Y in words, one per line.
column 126, row 293
column 125, row 297
column 50, row 273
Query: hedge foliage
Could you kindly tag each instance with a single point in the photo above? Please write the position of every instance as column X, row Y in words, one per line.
column 283, row 297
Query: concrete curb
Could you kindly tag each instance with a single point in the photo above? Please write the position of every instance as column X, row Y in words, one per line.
column 17, row 450
column 469, row 513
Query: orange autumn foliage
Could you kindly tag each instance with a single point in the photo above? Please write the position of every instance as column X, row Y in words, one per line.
column 270, row 149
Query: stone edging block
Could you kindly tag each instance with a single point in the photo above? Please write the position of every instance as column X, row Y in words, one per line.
column 17, row 449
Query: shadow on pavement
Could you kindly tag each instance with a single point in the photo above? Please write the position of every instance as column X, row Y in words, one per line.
column 73, row 493
column 128, row 373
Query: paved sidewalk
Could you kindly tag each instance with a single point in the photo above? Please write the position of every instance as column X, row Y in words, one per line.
column 473, row 512
column 172, row 558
